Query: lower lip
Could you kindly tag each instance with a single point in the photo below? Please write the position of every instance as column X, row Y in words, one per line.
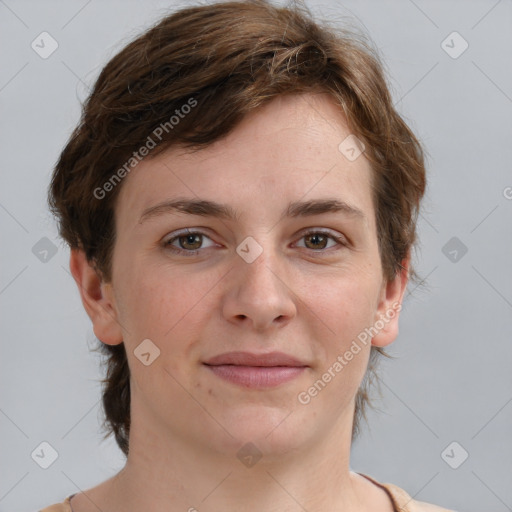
column 257, row 376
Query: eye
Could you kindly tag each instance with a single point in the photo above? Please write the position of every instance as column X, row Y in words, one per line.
column 318, row 240
column 187, row 243
column 190, row 243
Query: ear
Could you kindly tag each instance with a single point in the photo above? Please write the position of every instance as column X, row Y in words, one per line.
column 97, row 298
column 390, row 304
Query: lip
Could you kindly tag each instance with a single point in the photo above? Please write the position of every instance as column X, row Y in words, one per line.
column 250, row 359
column 256, row 370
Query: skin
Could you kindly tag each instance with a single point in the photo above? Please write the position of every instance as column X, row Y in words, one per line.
column 309, row 302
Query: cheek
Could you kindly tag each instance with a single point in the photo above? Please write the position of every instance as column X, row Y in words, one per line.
column 164, row 305
column 344, row 311
column 346, row 306
column 347, row 310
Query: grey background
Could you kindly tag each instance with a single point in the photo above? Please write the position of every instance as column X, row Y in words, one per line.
column 452, row 379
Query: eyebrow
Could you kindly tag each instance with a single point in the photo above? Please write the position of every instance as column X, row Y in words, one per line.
column 205, row 208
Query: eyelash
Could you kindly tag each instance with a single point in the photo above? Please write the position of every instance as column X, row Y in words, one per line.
column 167, row 244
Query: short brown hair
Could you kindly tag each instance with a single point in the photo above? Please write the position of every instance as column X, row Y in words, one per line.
column 231, row 58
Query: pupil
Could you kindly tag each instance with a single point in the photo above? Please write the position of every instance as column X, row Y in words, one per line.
column 316, row 238
column 191, row 239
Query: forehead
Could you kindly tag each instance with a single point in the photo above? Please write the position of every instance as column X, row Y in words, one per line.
column 284, row 151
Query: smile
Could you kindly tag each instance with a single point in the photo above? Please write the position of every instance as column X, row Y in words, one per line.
column 257, row 376
column 256, row 370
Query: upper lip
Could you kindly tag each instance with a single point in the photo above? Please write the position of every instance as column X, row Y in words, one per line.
column 250, row 359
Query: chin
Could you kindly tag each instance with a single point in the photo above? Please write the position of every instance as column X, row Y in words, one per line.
column 273, row 430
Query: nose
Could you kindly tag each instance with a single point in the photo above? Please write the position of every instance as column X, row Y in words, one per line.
column 258, row 294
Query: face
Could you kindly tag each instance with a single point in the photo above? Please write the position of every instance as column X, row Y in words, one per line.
column 290, row 271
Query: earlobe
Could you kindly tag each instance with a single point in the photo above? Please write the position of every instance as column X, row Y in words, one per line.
column 97, row 299
column 388, row 311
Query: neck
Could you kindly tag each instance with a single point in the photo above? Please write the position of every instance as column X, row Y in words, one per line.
column 166, row 473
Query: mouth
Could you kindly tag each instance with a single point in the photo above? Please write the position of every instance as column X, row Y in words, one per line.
column 256, row 370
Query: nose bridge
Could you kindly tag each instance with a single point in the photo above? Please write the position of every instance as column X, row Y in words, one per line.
column 258, row 266
column 258, row 291
column 260, row 272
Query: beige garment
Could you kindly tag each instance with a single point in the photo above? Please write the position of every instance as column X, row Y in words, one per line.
column 402, row 502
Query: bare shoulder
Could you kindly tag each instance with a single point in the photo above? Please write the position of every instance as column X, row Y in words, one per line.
column 421, row 506
column 407, row 504
column 376, row 497
column 57, row 507
column 93, row 499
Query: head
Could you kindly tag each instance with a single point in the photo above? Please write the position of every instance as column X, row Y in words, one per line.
column 186, row 109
